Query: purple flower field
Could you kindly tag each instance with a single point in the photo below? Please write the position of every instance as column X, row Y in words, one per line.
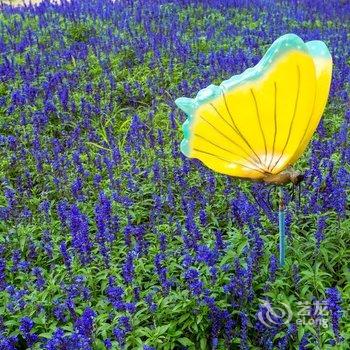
column 109, row 237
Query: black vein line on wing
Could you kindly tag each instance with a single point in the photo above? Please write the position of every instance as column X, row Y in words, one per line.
column 308, row 123
column 291, row 123
column 224, row 149
column 259, row 121
column 238, row 131
column 275, row 123
column 227, row 161
column 226, row 137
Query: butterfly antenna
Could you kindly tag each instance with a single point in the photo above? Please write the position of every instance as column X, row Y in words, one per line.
column 259, row 202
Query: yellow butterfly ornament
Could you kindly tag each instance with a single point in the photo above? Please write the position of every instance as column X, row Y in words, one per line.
column 257, row 124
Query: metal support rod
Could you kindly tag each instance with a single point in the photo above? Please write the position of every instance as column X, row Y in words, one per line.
column 282, row 227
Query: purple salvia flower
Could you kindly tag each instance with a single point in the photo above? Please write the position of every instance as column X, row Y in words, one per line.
column 26, row 326
column 283, row 343
column 16, row 259
column 273, row 267
column 60, row 311
column 334, row 301
column 32, row 251
column 84, row 324
column 45, row 207
column 172, row 121
column 57, row 341
column 119, row 335
column 340, row 191
column 193, row 281
column 214, row 343
column 213, row 274
column 150, row 302
column 39, row 279
column 8, row 343
column 17, row 301
column 203, row 217
column 116, row 155
column 319, row 234
column 79, row 229
column 108, row 343
column 162, row 272
column 97, row 180
column 244, row 331
column 162, row 242
column 77, row 189
column 124, row 323
column 128, row 268
column 207, row 255
column 219, row 243
column 115, row 295
column 63, row 212
column 65, row 255
column 304, row 342
column 103, row 211
column 3, row 283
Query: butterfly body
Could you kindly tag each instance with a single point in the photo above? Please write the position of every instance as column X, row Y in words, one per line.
column 287, row 176
column 295, row 177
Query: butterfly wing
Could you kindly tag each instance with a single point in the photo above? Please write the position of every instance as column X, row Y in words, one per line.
column 254, row 123
column 323, row 69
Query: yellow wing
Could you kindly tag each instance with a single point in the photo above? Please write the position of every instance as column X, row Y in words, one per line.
column 259, row 122
column 323, row 66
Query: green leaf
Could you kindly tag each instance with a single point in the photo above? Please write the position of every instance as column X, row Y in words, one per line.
column 203, row 344
column 45, row 335
column 185, row 341
column 162, row 329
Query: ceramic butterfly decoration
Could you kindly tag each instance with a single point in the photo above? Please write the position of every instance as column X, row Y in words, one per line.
column 255, row 125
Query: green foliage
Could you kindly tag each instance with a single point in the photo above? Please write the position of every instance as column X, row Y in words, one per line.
column 179, row 321
column 80, row 31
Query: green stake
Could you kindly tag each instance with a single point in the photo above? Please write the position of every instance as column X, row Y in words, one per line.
column 282, row 227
